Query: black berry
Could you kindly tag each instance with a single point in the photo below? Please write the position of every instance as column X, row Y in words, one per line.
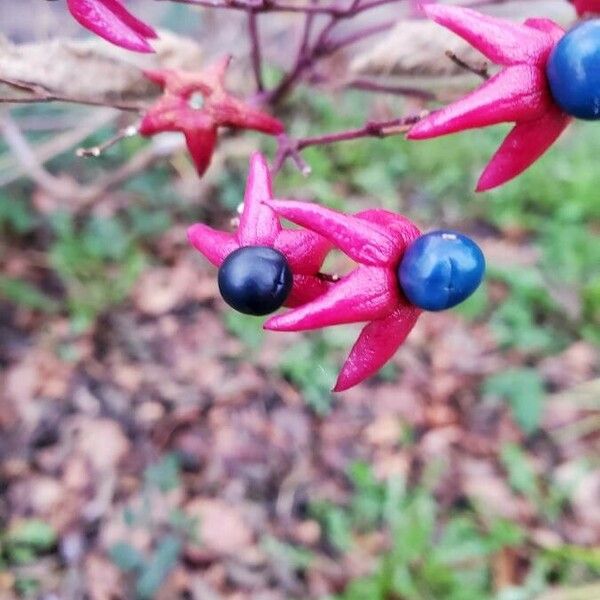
column 255, row 280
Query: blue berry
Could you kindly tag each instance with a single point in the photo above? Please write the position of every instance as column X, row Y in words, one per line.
column 441, row 269
column 574, row 71
column 255, row 280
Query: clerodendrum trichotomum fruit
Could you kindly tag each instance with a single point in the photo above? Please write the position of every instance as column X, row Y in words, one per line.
column 574, row 71
column 441, row 269
column 255, row 280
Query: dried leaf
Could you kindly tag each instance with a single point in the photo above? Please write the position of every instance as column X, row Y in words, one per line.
column 416, row 49
column 103, row 72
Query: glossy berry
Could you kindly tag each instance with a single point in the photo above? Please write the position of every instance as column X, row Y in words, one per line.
column 574, row 71
column 255, row 280
column 441, row 269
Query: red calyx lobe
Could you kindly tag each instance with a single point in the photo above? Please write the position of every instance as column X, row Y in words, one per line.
column 197, row 105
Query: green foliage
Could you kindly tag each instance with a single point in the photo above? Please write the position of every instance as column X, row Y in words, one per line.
column 521, row 475
column 158, row 567
column 515, row 320
column 523, row 390
column 24, row 294
column 310, row 364
column 98, row 263
column 437, row 554
column 149, row 570
column 294, row 557
column 247, row 328
column 431, row 556
column 27, row 539
column 126, row 557
column 165, row 474
column 15, row 215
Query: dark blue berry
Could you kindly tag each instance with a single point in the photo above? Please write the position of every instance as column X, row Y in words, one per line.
column 574, row 71
column 255, row 280
column 441, row 269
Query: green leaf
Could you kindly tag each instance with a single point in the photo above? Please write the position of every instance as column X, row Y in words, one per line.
column 247, row 328
column 165, row 474
column 33, row 533
column 521, row 475
column 523, row 390
column 294, row 556
column 158, row 567
column 126, row 557
column 24, row 294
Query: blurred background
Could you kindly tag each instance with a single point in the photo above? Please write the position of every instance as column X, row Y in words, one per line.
column 156, row 444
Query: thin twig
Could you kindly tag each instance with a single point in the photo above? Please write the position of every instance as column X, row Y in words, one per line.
column 480, row 71
column 368, row 85
column 355, row 37
column 302, row 61
column 255, row 51
column 96, row 151
column 290, row 148
column 261, row 6
column 40, row 93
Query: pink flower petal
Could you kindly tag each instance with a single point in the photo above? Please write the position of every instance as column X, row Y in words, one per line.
column 547, row 26
column 405, row 230
column 201, row 144
column 306, row 288
column 130, row 20
column 259, row 225
column 305, row 251
column 522, row 147
column 367, row 243
column 214, row 244
column 366, row 294
column 99, row 17
column 376, row 344
column 503, row 42
column 515, row 94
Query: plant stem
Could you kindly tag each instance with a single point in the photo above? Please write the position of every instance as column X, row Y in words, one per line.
column 255, row 49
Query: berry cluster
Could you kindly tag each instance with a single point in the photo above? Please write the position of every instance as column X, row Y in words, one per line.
column 399, row 272
column 547, row 77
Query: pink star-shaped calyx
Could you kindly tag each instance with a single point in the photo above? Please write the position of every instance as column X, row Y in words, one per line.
column 260, row 226
column 519, row 93
column 110, row 20
column 586, row 6
column 376, row 240
column 197, row 105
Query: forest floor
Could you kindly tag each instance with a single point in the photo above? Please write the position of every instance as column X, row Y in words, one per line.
column 154, row 444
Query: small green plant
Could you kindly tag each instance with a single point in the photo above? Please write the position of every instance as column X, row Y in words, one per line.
column 435, row 555
column 148, row 570
column 22, row 544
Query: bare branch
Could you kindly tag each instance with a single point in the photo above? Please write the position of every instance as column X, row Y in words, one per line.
column 255, row 50
column 96, row 151
column 480, row 71
column 290, row 148
column 40, row 93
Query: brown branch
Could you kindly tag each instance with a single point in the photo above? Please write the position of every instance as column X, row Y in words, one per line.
column 39, row 93
column 302, row 61
column 255, row 49
column 290, row 148
column 480, row 71
column 368, row 85
column 96, row 151
column 263, row 6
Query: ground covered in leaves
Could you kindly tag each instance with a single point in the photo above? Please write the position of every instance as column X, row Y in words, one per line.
column 154, row 444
